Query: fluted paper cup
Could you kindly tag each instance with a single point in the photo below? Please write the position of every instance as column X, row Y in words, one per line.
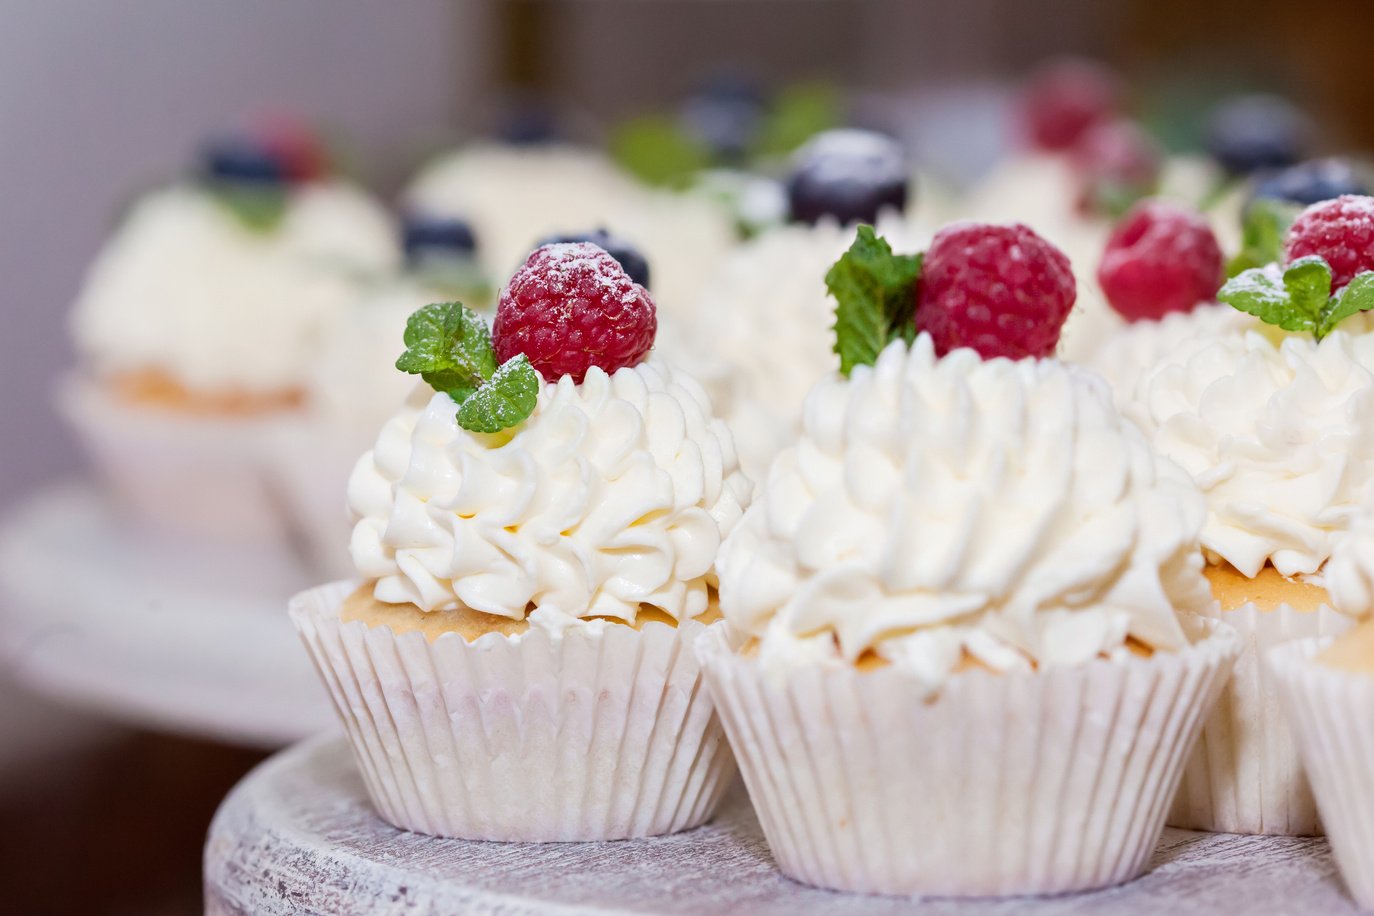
column 1245, row 775
column 597, row 734
column 1331, row 714
column 180, row 474
column 1020, row 783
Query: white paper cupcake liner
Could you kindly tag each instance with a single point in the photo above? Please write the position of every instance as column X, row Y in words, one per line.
column 588, row 736
column 1332, row 715
column 1022, row 783
column 1245, row 775
column 180, row 474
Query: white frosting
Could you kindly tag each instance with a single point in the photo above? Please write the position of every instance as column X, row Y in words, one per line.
column 612, row 494
column 184, row 288
column 1279, row 436
column 936, row 507
column 1136, row 348
column 515, row 196
column 768, row 318
column 1349, row 575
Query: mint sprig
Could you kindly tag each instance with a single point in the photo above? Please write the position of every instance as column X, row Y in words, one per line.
column 1263, row 227
column 875, row 296
column 1299, row 297
column 259, row 210
column 450, row 347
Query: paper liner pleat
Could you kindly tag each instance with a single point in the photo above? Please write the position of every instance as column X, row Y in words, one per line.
column 1245, row 775
column 584, row 736
column 1001, row 785
column 1331, row 714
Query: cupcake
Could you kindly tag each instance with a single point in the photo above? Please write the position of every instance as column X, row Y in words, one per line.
column 196, row 326
column 516, row 195
column 1328, row 695
column 967, row 550
column 1275, row 429
column 352, row 386
column 764, row 317
column 535, row 542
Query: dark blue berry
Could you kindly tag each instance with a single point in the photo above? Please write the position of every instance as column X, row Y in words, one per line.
column 629, row 257
column 422, row 236
column 1255, row 132
column 1312, row 182
column 850, row 175
column 725, row 115
column 528, row 123
column 243, row 162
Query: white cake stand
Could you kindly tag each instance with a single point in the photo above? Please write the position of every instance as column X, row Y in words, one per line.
column 298, row 835
column 177, row 636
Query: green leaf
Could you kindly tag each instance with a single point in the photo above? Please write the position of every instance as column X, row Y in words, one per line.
column 1294, row 300
column 658, row 151
column 260, row 210
column 504, row 400
column 798, row 114
column 448, row 346
column 875, row 295
column 1263, row 226
column 1357, row 296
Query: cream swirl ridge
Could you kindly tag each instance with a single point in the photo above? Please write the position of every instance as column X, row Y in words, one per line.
column 1279, row 436
column 937, row 508
column 1349, row 575
column 612, row 494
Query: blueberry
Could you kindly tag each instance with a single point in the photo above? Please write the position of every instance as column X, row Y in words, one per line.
column 1311, row 182
column 725, row 115
column 850, row 175
column 243, row 162
column 1254, row 132
column 422, row 236
column 528, row 123
column 629, row 257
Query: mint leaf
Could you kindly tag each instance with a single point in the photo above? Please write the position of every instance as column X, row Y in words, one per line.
column 449, row 347
column 1357, row 296
column 657, row 151
column 1308, row 283
column 1298, row 299
column 260, row 210
column 1263, row 227
column 875, row 295
column 504, row 400
column 799, row 113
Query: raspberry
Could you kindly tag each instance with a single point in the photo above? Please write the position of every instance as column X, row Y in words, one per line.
column 1066, row 98
column 1160, row 258
column 1115, row 162
column 1341, row 231
column 570, row 307
column 1001, row 290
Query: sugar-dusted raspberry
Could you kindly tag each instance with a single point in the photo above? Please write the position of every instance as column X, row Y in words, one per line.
column 1064, row 99
column 570, row 307
column 1160, row 258
column 1115, row 162
column 1001, row 290
column 1341, row 231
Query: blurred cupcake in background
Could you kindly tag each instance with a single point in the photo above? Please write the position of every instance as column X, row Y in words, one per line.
column 1276, row 429
column 352, row 385
column 960, row 589
column 197, row 325
column 536, row 537
column 766, row 315
column 1328, row 692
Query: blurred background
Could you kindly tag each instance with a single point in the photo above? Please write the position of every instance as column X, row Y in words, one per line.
column 99, row 101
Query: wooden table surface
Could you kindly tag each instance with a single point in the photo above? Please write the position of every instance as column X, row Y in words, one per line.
column 298, row 836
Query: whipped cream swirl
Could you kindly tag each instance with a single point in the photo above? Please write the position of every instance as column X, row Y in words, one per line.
column 935, row 509
column 1349, row 575
column 612, row 494
column 1278, row 435
column 184, row 288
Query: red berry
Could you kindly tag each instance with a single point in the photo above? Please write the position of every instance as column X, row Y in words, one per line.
column 570, row 307
column 1115, row 161
column 1001, row 290
column 298, row 148
column 1160, row 258
column 1341, row 231
column 1064, row 99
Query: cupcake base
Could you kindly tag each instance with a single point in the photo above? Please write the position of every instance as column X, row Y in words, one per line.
column 1002, row 785
column 1331, row 713
column 1245, row 775
column 597, row 734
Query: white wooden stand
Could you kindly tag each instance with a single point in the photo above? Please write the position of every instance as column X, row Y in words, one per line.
column 298, row 836
column 178, row 636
